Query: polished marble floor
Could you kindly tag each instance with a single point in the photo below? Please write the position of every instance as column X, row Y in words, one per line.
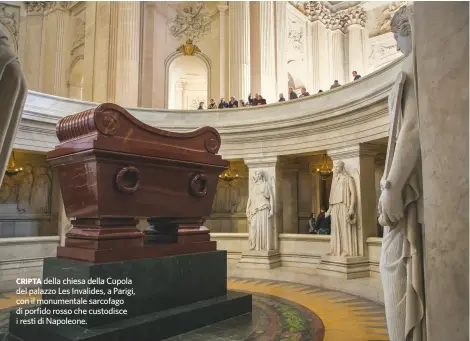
column 282, row 311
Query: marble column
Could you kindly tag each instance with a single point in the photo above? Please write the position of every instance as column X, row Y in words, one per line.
column 290, row 220
column 33, row 47
column 359, row 163
column 128, row 54
column 273, row 173
column 239, row 28
column 337, row 71
column 267, row 51
column 442, row 48
column 281, row 48
column 355, row 50
column 317, row 36
column 56, row 52
column 223, row 56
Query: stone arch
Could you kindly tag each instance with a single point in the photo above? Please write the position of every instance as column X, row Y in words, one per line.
column 76, row 78
column 174, row 56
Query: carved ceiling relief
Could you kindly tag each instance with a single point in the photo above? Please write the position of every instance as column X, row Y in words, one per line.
column 9, row 18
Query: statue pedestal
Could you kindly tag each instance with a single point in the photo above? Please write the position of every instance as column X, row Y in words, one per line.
column 260, row 259
column 344, row 267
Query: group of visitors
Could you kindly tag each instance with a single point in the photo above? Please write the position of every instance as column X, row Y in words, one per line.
column 336, row 84
column 259, row 100
column 321, row 225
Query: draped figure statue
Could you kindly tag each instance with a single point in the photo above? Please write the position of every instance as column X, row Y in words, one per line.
column 259, row 212
column 13, row 93
column 344, row 238
column 400, row 203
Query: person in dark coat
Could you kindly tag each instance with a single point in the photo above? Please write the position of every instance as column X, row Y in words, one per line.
column 223, row 104
column 304, row 93
column 356, row 76
column 292, row 94
column 233, row 103
column 281, row 98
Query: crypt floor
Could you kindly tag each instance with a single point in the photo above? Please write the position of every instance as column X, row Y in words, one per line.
column 282, row 311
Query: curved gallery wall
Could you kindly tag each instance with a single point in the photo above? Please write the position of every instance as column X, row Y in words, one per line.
column 337, row 122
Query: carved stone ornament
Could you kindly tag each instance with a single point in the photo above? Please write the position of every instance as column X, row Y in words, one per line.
column 33, row 7
column 9, row 18
column 340, row 20
column 385, row 18
column 191, row 22
column 188, row 49
column 61, row 5
column 79, row 33
column 295, row 38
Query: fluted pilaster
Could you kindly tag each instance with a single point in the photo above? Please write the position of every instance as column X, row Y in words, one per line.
column 337, row 57
column 239, row 49
column 55, row 56
column 318, row 41
column 281, row 48
column 223, row 57
column 128, row 54
column 356, row 50
column 267, row 51
column 113, row 39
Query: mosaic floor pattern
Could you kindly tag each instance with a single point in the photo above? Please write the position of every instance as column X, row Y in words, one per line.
column 282, row 311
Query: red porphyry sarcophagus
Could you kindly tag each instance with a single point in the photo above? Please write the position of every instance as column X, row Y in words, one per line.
column 113, row 169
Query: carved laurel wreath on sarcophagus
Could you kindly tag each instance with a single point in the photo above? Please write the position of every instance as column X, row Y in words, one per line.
column 111, row 127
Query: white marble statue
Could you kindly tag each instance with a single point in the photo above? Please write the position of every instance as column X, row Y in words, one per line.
column 400, row 203
column 25, row 189
column 41, row 192
column 13, row 93
column 344, row 240
column 259, row 212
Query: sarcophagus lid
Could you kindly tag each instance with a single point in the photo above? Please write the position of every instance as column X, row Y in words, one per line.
column 112, row 165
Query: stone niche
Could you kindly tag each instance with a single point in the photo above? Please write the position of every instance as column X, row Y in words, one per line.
column 26, row 200
column 229, row 206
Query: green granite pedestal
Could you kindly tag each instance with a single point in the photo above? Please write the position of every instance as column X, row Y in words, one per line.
column 156, row 299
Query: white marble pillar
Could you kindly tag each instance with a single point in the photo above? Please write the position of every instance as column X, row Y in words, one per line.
column 317, row 36
column 356, row 50
column 222, row 51
column 337, row 51
column 128, row 54
column 239, row 28
column 281, row 48
column 56, row 52
column 272, row 170
column 267, row 51
column 442, row 48
column 290, row 220
column 359, row 162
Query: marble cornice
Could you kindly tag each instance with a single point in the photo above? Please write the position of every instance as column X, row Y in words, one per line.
column 352, row 151
column 262, row 162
